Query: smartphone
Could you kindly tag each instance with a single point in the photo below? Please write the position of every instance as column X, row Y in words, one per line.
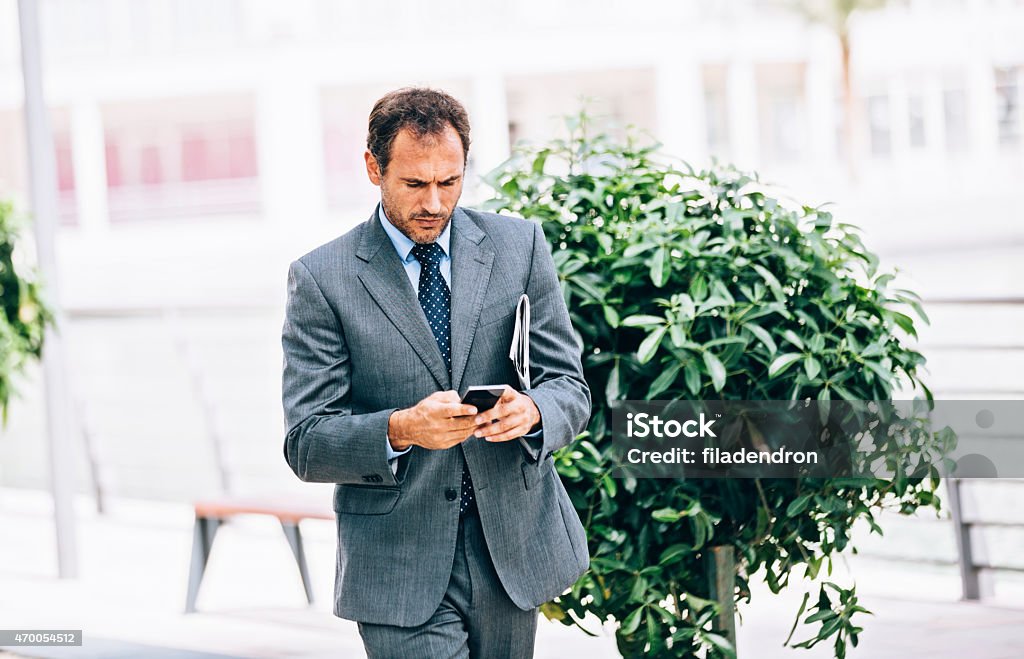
column 483, row 397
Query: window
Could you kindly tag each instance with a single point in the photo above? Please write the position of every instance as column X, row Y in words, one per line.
column 1008, row 112
column 954, row 115
column 879, row 125
column 187, row 157
column 716, row 110
column 915, row 121
column 781, row 117
column 67, row 212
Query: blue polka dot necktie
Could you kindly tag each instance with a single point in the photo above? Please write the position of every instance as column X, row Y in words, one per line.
column 436, row 300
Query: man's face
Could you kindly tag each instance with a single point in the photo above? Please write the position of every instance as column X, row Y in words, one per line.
column 422, row 183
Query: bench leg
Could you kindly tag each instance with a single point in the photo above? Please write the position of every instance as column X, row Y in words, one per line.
column 202, row 543
column 291, row 531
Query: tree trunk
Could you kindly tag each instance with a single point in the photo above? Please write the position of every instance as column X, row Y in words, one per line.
column 722, row 579
column 849, row 127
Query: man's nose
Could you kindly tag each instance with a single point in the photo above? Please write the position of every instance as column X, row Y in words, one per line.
column 432, row 200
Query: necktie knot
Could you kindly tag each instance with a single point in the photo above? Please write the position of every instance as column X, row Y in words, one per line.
column 428, row 254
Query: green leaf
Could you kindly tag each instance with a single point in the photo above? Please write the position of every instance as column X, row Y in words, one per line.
column 674, row 552
column 716, row 369
column 791, row 336
column 666, row 515
column 876, row 368
column 538, row 162
column 796, row 621
column 826, row 614
column 650, row 345
column 611, row 389
column 824, row 404
column 843, row 392
column 639, row 248
column 632, row 621
column 698, row 289
column 771, row 280
column 692, row 377
column 686, row 307
column 799, row 504
column 611, row 316
column 642, row 320
column 721, row 643
column 905, row 322
column 713, row 301
column 609, row 485
column 591, row 292
column 812, row 367
column 660, row 267
column 664, row 381
column 763, row 336
column 783, row 362
column 677, row 334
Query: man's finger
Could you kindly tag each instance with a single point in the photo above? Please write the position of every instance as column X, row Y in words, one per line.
column 508, row 435
column 490, row 429
column 455, row 437
column 499, row 411
column 459, row 424
column 449, row 396
column 460, row 410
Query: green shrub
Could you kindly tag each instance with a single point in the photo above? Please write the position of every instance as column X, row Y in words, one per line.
column 685, row 285
column 24, row 316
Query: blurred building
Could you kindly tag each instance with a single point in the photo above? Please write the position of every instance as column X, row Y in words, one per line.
column 203, row 144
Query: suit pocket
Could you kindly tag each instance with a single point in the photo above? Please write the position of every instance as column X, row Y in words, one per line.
column 533, row 472
column 365, row 500
column 498, row 312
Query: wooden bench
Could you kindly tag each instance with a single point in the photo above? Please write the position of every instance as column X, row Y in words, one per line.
column 211, row 513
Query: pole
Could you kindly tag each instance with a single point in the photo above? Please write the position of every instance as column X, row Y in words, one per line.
column 722, row 579
column 969, row 579
column 43, row 195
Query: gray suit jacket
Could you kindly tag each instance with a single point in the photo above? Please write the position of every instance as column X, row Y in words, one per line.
column 357, row 347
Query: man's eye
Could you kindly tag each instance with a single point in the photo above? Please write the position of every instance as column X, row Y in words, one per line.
column 415, row 185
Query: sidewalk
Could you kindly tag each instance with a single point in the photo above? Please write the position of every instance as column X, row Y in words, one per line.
column 134, row 562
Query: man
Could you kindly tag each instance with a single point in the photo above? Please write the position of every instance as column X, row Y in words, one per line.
column 453, row 526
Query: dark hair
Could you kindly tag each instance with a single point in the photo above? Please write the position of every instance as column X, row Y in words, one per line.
column 422, row 110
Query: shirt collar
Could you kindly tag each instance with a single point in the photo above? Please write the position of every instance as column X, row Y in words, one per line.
column 403, row 244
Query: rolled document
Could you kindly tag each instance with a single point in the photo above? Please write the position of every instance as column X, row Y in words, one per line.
column 519, row 352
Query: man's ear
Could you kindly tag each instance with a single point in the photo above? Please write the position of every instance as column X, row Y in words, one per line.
column 372, row 168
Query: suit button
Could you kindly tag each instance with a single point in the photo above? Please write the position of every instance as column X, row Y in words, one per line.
column 450, row 494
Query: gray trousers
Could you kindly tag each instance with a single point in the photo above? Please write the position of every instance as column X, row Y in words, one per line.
column 475, row 619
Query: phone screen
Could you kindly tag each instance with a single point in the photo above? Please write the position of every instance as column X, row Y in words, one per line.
column 481, row 400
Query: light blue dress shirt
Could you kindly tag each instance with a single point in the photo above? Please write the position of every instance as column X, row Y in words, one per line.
column 403, row 245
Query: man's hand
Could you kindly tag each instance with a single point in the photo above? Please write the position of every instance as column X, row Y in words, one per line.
column 513, row 416
column 438, row 421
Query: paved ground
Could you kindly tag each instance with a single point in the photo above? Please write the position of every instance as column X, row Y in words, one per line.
column 134, row 561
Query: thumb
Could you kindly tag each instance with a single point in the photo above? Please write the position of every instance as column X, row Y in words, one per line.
column 449, row 396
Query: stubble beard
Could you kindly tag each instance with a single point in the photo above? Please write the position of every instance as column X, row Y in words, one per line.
column 407, row 225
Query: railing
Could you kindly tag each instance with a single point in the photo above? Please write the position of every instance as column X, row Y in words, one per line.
column 201, row 385
column 967, row 529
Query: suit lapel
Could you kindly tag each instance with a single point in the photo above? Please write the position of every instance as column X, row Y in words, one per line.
column 386, row 281
column 471, row 271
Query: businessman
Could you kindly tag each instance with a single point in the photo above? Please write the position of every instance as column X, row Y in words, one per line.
column 453, row 526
